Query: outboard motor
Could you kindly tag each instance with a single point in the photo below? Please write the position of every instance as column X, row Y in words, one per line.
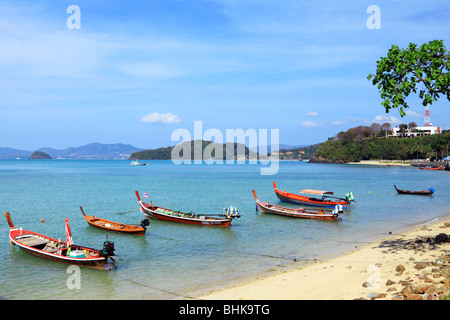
column 143, row 223
column 108, row 248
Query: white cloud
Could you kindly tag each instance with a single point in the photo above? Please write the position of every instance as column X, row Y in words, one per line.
column 312, row 114
column 338, row 122
column 308, row 124
column 414, row 114
column 161, row 117
column 382, row 119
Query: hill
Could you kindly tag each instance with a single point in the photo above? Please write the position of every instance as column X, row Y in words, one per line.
column 363, row 143
column 166, row 153
column 10, row 153
column 39, row 155
column 299, row 152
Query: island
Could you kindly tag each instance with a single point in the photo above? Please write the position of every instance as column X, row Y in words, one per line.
column 40, row 155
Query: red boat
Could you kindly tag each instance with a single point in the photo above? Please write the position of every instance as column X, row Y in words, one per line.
column 320, row 214
column 55, row 250
column 214, row 220
column 323, row 202
column 431, row 168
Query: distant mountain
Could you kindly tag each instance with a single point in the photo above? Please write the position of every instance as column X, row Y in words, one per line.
column 10, row 153
column 93, row 151
column 89, row 151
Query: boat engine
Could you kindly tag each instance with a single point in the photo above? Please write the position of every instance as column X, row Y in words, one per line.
column 143, row 223
column 108, row 248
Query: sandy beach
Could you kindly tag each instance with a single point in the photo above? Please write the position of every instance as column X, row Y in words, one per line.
column 382, row 162
column 410, row 265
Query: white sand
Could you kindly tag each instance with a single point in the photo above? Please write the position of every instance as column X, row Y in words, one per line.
column 342, row 278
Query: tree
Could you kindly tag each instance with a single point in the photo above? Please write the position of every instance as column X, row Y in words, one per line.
column 401, row 72
column 412, row 125
column 386, row 126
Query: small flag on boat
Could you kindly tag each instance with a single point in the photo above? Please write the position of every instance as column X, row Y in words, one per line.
column 337, row 209
column 145, row 195
column 69, row 241
column 349, row 196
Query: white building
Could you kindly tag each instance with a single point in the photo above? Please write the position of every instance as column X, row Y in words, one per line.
column 415, row 132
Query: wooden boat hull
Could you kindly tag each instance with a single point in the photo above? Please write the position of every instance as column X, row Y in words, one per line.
column 428, row 192
column 53, row 250
column 267, row 208
column 164, row 214
column 431, row 168
column 113, row 226
column 285, row 196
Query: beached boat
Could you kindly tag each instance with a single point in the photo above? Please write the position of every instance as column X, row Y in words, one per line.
column 324, row 202
column 431, row 168
column 319, row 214
column 61, row 251
column 116, row 226
column 428, row 192
column 164, row 214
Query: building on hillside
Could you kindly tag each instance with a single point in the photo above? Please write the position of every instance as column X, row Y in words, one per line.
column 414, row 132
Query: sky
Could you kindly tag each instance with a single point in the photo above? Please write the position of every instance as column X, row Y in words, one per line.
column 135, row 71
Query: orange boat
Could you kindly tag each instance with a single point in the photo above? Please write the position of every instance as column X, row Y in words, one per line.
column 116, row 226
column 323, row 202
column 431, row 168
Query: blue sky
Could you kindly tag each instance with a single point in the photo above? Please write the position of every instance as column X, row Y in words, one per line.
column 138, row 70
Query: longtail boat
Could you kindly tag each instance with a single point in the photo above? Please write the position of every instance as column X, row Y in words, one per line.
column 431, row 168
column 61, row 251
column 116, row 226
column 324, row 202
column 164, row 214
column 428, row 192
column 320, row 214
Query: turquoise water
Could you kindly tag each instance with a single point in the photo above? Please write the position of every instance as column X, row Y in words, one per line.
column 174, row 261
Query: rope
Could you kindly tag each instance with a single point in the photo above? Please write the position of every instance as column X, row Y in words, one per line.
column 158, row 289
column 127, row 211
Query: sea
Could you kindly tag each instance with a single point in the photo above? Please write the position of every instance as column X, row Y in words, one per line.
column 176, row 261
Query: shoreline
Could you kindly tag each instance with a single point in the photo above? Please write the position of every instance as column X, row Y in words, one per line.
column 397, row 267
column 383, row 162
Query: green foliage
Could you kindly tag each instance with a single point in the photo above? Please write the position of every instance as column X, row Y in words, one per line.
column 40, row 155
column 166, row 153
column 300, row 153
column 401, row 72
column 358, row 144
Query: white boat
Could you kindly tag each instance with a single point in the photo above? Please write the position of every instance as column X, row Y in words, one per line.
column 137, row 163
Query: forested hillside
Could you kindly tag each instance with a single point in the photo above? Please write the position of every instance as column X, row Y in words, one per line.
column 365, row 143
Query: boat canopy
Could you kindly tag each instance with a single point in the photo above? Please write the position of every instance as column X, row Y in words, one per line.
column 231, row 212
column 311, row 191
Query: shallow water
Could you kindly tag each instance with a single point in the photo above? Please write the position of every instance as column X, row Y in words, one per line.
column 173, row 260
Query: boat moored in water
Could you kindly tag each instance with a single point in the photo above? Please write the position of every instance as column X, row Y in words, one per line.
column 138, row 163
column 324, row 202
column 116, row 226
column 431, row 168
column 319, row 214
column 164, row 214
column 428, row 192
column 51, row 249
